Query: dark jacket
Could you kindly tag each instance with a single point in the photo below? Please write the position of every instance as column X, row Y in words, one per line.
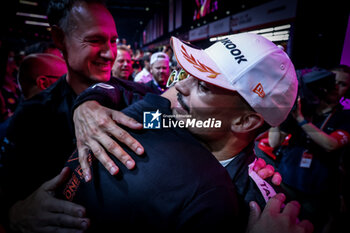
column 40, row 136
column 176, row 186
column 237, row 168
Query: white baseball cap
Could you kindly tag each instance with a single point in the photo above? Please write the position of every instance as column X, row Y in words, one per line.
column 249, row 64
column 159, row 56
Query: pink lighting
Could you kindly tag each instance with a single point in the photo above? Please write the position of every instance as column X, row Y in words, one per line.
column 345, row 58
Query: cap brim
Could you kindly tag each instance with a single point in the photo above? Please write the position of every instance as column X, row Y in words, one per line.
column 197, row 63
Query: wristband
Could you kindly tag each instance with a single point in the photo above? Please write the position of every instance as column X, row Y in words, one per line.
column 303, row 122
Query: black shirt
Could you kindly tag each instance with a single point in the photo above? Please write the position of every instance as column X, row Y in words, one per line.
column 176, row 185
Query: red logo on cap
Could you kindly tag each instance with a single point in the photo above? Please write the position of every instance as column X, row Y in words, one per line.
column 258, row 89
column 198, row 65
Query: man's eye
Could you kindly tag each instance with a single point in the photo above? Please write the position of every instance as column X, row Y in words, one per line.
column 93, row 41
column 202, row 86
column 113, row 42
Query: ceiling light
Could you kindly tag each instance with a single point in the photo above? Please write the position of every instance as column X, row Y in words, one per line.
column 36, row 23
column 31, row 15
column 28, row 2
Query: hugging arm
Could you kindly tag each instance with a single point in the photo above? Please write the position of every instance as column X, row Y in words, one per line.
column 96, row 126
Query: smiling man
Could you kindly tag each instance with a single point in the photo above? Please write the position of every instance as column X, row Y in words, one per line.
column 122, row 67
column 41, row 136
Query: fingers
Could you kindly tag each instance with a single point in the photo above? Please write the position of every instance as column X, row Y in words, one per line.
column 55, row 205
column 275, row 203
column 122, row 135
column 266, row 172
column 277, row 178
column 57, row 181
column 114, row 148
column 259, row 164
column 307, row 226
column 94, row 126
column 126, row 120
column 66, row 221
column 83, row 153
column 292, row 210
column 254, row 213
column 104, row 159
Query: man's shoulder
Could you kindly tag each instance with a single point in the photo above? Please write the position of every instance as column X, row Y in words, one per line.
column 129, row 85
column 43, row 100
column 38, row 111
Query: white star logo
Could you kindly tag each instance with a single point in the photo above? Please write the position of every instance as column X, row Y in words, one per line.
column 156, row 115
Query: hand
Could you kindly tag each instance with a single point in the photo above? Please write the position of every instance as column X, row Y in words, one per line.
column 297, row 114
column 42, row 212
column 94, row 127
column 266, row 171
column 273, row 220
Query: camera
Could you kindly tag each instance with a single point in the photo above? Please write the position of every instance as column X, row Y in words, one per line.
column 315, row 85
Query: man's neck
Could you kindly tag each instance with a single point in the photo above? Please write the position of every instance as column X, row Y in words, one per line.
column 76, row 84
column 225, row 147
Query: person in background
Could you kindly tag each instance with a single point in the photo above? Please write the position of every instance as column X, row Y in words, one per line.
column 309, row 162
column 160, row 70
column 38, row 71
column 136, row 66
column 122, row 67
column 144, row 76
column 9, row 87
column 43, row 47
column 342, row 79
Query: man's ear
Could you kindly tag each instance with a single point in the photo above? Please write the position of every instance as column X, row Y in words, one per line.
column 58, row 37
column 246, row 123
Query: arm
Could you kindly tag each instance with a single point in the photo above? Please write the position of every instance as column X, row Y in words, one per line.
column 276, row 137
column 273, row 220
column 328, row 142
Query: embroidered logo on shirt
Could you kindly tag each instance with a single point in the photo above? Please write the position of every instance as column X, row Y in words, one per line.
column 103, row 85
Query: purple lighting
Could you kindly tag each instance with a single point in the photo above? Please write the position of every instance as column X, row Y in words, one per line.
column 345, row 58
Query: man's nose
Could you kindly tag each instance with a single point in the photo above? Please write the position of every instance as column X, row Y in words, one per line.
column 184, row 86
column 108, row 51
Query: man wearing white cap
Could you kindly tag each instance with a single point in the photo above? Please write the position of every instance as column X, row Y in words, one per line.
column 159, row 64
column 244, row 81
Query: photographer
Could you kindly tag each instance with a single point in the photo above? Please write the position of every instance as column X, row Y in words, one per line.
column 319, row 130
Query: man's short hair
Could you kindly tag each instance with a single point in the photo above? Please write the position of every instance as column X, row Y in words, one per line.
column 342, row 68
column 58, row 12
column 124, row 48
